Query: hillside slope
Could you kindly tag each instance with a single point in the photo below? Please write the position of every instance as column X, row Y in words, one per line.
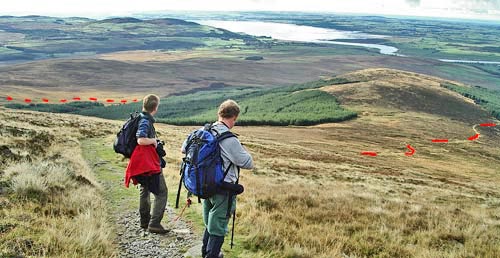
column 441, row 202
column 312, row 193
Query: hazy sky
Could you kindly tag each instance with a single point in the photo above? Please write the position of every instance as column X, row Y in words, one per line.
column 483, row 9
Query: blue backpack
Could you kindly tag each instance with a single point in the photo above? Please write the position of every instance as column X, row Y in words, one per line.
column 201, row 170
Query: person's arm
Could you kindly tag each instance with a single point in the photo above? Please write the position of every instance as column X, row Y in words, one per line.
column 146, row 141
column 142, row 134
column 183, row 147
column 234, row 151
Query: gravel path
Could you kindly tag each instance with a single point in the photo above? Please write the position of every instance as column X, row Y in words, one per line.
column 134, row 241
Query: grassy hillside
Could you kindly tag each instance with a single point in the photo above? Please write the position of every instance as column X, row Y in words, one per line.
column 50, row 203
column 293, row 105
column 311, row 193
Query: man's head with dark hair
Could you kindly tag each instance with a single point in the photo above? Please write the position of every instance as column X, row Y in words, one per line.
column 150, row 103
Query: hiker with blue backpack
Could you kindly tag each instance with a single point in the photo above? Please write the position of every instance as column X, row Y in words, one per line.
column 211, row 170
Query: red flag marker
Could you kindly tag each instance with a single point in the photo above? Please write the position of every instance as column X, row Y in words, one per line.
column 411, row 152
column 110, row 101
column 93, row 99
column 440, row 140
column 63, row 100
column 45, row 100
column 27, row 100
column 9, row 98
column 123, row 101
column 369, row 153
column 77, row 98
column 473, row 138
column 488, row 125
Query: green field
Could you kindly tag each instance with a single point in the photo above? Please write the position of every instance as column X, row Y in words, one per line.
column 292, row 105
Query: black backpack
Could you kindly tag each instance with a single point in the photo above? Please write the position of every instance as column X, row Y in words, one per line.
column 126, row 141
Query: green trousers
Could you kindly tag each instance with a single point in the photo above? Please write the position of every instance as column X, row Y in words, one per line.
column 215, row 214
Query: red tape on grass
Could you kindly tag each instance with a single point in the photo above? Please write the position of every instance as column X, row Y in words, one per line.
column 110, row 100
column 93, row 99
column 369, row 153
column 411, row 152
column 63, row 100
column 488, row 125
column 27, row 100
column 77, row 98
column 135, row 100
column 45, row 100
column 440, row 140
column 9, row 98
column 473, row 138
column 123, row 101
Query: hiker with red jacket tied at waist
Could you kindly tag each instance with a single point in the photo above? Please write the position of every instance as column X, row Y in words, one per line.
column 218, row 208
column 145, row 168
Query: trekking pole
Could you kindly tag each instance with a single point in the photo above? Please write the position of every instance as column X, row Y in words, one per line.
column 178, row 194
column 234, row 212
column 188, row 204
column 232, row 233
column 180, row 186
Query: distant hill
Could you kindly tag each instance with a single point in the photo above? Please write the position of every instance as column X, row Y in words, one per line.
column 40, row 37
column 365, row 91
column 411, row 92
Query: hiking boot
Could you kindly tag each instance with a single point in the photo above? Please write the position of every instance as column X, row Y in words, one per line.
column 145, row 225
column 221, row 255
column 158, row 230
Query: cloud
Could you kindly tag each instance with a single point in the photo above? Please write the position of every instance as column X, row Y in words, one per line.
column 99, row 8
column 413, row 3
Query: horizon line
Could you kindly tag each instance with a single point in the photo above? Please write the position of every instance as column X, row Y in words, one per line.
column 98, row 16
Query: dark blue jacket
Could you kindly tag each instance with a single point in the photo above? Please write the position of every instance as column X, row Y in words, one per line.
column 146, row 128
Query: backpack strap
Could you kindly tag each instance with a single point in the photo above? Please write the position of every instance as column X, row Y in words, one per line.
column 220, row 138
column 224, row 135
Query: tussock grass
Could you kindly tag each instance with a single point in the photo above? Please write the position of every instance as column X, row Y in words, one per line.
column 51, row 204
column 336, row 220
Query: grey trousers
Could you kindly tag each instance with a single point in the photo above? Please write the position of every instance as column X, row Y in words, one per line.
column 160, row 203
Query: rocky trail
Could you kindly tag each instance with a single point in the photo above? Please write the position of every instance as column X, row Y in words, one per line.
column 131, row 240
column 137, row 242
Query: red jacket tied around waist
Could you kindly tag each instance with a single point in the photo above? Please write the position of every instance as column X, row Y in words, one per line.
column 144, row 161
